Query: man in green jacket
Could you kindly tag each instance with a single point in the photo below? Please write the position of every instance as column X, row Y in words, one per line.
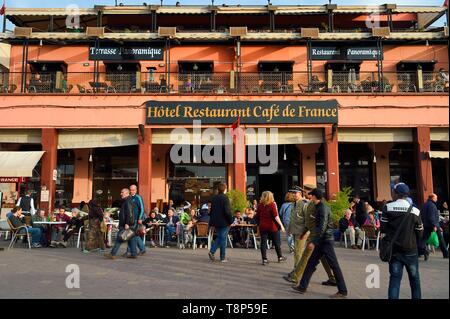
column 307, row 234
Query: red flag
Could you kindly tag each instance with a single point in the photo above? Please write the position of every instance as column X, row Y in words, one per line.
column 234, row 126
column 446, row 3
column 3, row 9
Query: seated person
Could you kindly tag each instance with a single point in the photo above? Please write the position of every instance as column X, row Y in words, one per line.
column 57, row 230
column 237, row 232
column 250, row 218
column 349, row 225
column 171, row 225
column 372, row 220
column 17, row 221
column 149, row 224
column 204, row 214
column 73, row 226
column 40, row 217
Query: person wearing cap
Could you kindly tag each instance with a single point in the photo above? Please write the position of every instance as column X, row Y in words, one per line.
column 401, row 218
column 322, row 243
column 306, row 234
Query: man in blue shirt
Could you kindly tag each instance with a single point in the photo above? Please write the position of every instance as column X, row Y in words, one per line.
column 139, row 215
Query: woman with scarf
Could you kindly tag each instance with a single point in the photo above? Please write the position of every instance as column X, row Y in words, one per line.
column 95, row 239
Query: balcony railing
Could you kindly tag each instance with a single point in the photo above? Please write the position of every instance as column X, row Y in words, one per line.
column 206, row 83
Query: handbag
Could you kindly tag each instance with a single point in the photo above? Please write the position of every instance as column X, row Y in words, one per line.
column 125, row 235
column 387, row 245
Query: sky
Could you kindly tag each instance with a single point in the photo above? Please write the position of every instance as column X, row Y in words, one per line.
column 90, row 3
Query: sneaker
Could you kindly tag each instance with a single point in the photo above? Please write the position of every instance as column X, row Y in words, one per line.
column 152, row 243
column 265, row 262
column 142, row 253
column 282, row 259
column 63, row 244
column 85, row 251
column 211, row 256
column 329, row 283
column 288, row 278
column 338, row 295
column 132, row 257
column 354, row 247
column 109, row 256
column 53, row 244
column 36, row 246
column 299, row 289
column 224, row 260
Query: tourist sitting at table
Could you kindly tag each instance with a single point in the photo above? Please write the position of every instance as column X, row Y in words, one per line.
column 203, row 214
column 150, row 226
column 349, row 226
column 73, row 226
column 372, row 220
column 40, row 217
column 57, row 230
column 237, row 232
column 171, row 225
column 17, row 220
column 250, row 218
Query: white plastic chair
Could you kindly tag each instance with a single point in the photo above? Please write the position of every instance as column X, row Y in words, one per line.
column 370, row 233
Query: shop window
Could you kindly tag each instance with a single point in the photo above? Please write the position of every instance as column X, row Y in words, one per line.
column 47, row 77
column 195, row 76
column 124, row 77
column 65, row 178
column 402, row 167
column 275, row 76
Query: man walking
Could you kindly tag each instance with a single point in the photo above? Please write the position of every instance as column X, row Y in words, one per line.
column 429, row 214
column 139, row 215
column 221, row 219
column 307, row 234
column 126, row 221
column 322, row 244
column 401, row 220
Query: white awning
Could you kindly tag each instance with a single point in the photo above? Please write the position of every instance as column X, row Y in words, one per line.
column 210, row 136
column 363, row 135
column 283, row 136
column 20, row 136
column 439, row 134
column 439, row 154
column 97, row 138
column 18, row 164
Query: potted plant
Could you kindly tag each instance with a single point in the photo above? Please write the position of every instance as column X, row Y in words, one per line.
column 238, row 200
column 339, row 205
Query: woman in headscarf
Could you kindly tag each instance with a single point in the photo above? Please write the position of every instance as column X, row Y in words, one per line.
column 95, row 239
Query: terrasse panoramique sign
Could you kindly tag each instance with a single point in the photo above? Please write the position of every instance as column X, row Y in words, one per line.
column 249, row 112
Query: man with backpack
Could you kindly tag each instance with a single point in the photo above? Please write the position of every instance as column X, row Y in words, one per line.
column 126, row 221
column 402, row 225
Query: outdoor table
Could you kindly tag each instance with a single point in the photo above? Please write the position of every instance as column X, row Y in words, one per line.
column 161, row 232
column 50, row 224
column 250, row 227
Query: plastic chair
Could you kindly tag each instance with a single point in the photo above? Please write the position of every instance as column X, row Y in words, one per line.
column 370, row 233
column 344, row 236
column 4, row 228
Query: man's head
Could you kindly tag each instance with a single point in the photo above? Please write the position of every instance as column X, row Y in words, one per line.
column 237, row 214
column 348, row 214
column 250, row 213
column 401, row 191
column 170, row 212
column 75, row 212
column 170, row 203
column 153, row 214
column 133, row 190
column 156, row 210
column 433, row 197
column 17, row 211
column 61, row 210
column 296, row 192
column 124, row 193
column 316, row 195
column 41, row 213
column 222, row 188
column 28, row 193
column 307, row 188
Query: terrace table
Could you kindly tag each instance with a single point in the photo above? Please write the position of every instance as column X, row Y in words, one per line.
column 50, row 224
column 161, row 231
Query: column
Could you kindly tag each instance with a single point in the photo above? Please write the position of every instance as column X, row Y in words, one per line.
column 239, row 161
column 331, row 160
column 308, row 162
column 145, row 167
column 49, row 162
column 83, row 179
column 423, row 164
column 382, row 174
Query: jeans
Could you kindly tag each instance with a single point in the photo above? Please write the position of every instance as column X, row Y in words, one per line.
column 139, row 243
column 290, row 238
column 411, row 263
column 324, row 249
column 275, row 236
column 131, row 246
column 220, row 242
column 170, row 230
column 35, row 234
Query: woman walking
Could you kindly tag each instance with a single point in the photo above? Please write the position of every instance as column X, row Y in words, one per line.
column 95, row 239
column 269, row 226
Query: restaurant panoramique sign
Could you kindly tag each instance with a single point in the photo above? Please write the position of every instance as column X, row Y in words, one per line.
column 249, row 112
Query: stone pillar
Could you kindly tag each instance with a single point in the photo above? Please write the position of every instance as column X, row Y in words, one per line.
column 145, row 168
column 83, row 176
column 381, row 172
column 239, row 161
column 331, row 161
column 423, row 163
column 49, row 165
column 308, row 162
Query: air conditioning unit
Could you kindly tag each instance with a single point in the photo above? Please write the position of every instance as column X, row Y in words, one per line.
column 21, row 32
column 238, row 31
column 390, row 6
column 167, row 31
column 312, row 33
column 381, row 32
column 95, row 32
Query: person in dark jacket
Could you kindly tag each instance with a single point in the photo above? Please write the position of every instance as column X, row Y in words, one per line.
column 127, row 220
column 322, row 241
column 348, row 225
column 204, row 214
column 171, row 224
column 221, row 219
column 430, row 219
column 360, row 210
column 95, row 239
column 401, row 216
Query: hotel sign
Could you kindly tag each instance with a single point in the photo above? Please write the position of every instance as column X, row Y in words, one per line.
column 345, row 53
column 126, row 53
column 249, row 112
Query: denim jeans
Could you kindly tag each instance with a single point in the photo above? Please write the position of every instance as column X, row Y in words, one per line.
column 131, row 246
column 139, row 243
column 170, row 230
column 411, row 263
column 221, row 241
column 35, row 234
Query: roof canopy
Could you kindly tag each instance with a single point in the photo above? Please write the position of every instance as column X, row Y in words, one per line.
column 18, row 164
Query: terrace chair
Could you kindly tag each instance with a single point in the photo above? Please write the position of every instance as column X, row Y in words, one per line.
column 4, row 228
column 344, row 236
column 256, row 236
column 78, row 236
column 16, row 234
column 370, row 233
column 210, row 238
column 200, row 232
